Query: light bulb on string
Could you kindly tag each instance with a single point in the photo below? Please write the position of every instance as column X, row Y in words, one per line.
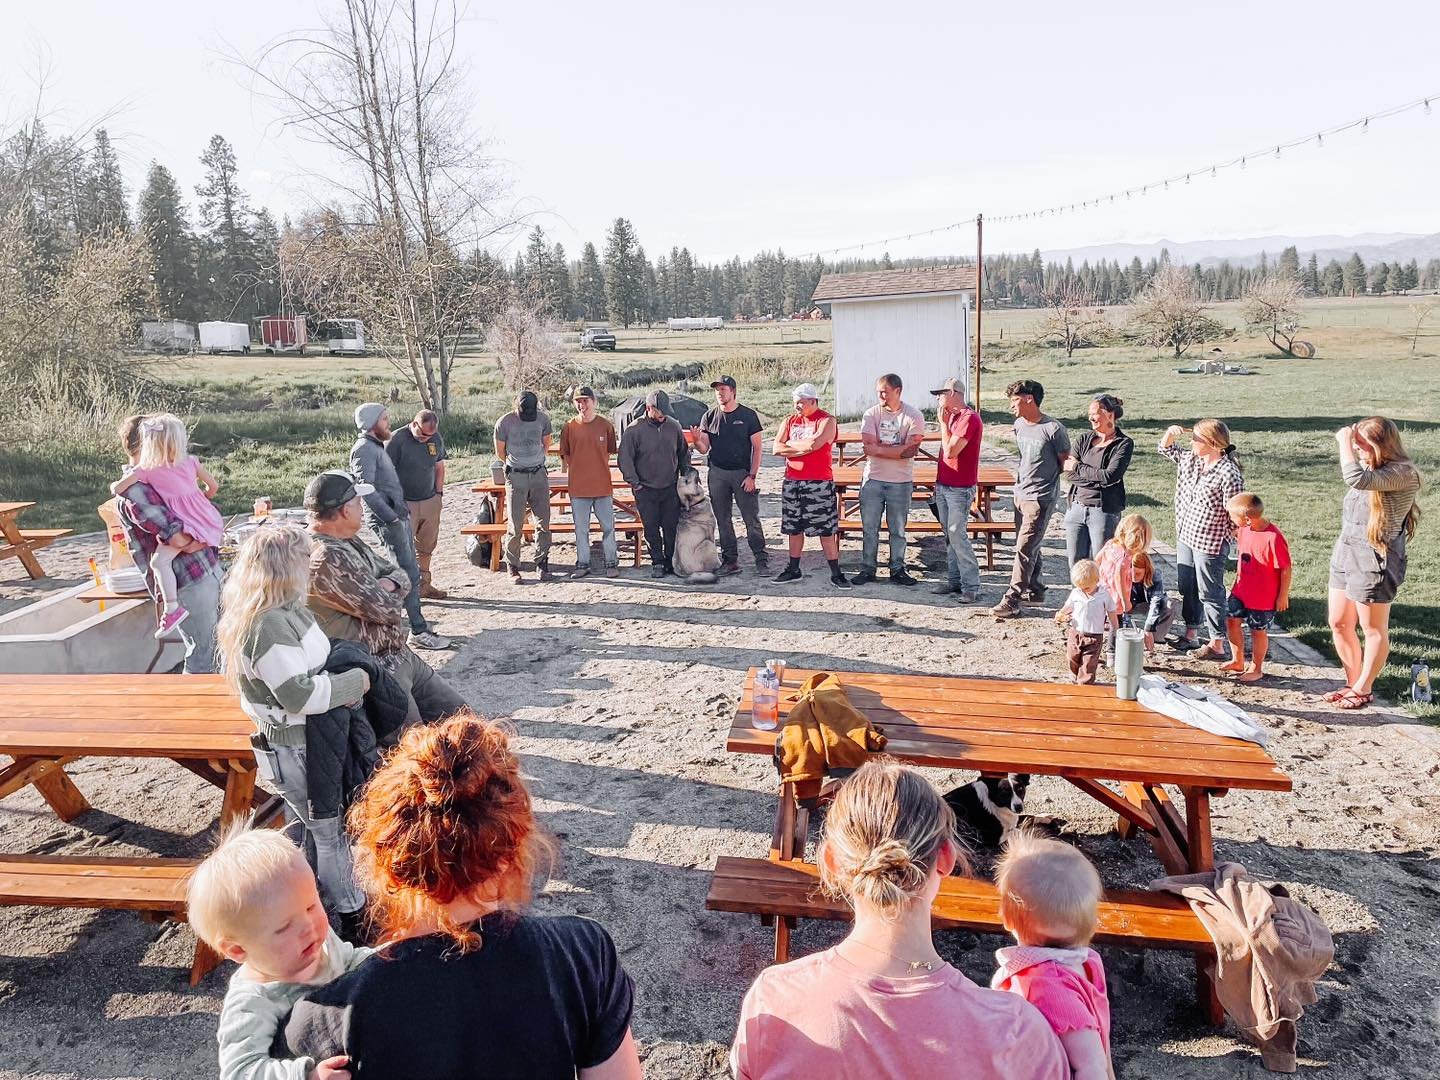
column 1212, row 172
column 1365, row 127
column 1428, row 110
column 1277, row 151
column 1320, row 140
column 1242, row 163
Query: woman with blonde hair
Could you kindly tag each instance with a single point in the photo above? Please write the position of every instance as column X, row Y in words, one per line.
column 1206, row 476
column 1367, row 565
column 883, row 1003
column 468, row 983
column 274, row 656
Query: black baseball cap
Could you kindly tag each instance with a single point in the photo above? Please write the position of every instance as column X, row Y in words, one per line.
column 724, row 380
column 332, row 490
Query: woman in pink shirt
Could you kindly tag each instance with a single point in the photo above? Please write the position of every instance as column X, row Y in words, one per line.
column 883, row 1003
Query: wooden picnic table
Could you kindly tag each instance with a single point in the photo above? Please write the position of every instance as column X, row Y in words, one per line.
column 1082, row 734
column 850, row 447
column 627, row 514
column 23, row 543
column 48, row 721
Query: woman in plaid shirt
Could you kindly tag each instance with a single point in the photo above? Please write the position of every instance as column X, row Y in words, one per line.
column 1206, row 475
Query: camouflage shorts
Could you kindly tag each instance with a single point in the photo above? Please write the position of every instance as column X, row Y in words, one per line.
column 808, row 508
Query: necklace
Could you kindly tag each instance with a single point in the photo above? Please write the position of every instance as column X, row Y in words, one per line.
column 911, row 966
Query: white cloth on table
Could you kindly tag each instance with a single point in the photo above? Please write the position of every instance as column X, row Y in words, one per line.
column 1200, row 708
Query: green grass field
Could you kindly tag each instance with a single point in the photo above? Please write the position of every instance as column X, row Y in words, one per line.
column 265, row 425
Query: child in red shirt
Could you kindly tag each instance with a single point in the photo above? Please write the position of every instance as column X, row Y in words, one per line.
column 1262, row 586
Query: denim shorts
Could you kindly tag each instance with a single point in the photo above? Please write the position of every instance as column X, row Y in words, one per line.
column 1258, row 620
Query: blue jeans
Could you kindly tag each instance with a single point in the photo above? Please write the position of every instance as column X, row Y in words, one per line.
column 202, row 600
column 877, row 496
column 954, row 505
column 398, row 541
column 329, row 845
column 1201, row 579
column 1086, row 530
column 604, row 507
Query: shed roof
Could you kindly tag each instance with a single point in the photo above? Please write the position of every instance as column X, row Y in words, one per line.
column 882, row 283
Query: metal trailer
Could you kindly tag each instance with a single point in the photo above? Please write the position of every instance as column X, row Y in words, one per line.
column 341, row 336
column 225, row 337
column 168, row 335
column 284, row 333
column 707, row 323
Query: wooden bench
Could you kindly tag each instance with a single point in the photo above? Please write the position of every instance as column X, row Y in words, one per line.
column 23, row 543
column 928, row 526
column 784, row 892
column 627, row 528
column 153, row 887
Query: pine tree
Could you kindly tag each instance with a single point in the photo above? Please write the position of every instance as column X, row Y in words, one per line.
column 1311, row 278
column 647, row 283
column 1412, row 276
column 1395, row 279
column 560, row 284
column 1332, row 283
column 228, row 240
column 1378, row 278
column 1355, row 275
column 105, row 189
column 624, row 274
column 161, row 214
column 590, row 284
column 265, row 295
column 1289, row 265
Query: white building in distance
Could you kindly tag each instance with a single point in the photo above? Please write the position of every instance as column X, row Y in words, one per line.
column 915, row 323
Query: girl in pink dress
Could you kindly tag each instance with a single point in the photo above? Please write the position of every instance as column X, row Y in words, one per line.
column 1048, row 898
column 178, row 479
column 1123, row 561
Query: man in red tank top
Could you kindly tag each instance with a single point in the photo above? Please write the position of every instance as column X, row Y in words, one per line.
column 807, row 496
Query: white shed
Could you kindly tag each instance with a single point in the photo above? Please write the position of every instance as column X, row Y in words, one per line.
column 915, row 323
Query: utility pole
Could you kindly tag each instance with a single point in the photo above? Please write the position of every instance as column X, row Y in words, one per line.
column 979, row 301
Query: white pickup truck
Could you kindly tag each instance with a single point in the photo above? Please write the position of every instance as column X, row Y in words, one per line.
column 597, row 337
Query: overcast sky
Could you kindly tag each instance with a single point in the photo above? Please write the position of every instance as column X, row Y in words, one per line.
column 751, row 125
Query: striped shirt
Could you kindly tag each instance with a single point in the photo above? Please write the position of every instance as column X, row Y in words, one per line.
column 1398, row 483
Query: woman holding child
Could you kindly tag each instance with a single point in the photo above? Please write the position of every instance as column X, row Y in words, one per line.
column 1367, row 565
column 883, row 1002
column 467, row 983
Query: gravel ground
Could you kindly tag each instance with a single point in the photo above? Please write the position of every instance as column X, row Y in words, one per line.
column 621, row 692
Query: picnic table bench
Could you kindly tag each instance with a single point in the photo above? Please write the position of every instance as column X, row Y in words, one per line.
column 23, row 543
column 49, row 721
column 627, row 516
column 1082, row 734
column 850, row 447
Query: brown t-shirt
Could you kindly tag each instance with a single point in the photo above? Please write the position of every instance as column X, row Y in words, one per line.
column 586, row 448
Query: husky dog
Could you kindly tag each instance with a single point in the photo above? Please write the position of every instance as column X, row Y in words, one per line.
column 696, row 556
column 988, row 808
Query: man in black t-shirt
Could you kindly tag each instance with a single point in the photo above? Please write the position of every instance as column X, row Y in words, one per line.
column 730, row 435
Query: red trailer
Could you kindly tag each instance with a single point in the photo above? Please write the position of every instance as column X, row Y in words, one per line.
column 282, row 333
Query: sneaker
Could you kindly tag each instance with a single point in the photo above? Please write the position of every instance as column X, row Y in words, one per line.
column 1185, row 644
column 612, row 571
column 515, row 574
column 1005, row 610
column 790, row 573
column 581, row 571
column 901, row 577
column 864, row 577
column 170, row 620
column 963, row 597
column 840, row 582
column 946, row 589
column 544, row 567
column 428, row 639
column 658, row 571
column 762, row 566
column 728, row 569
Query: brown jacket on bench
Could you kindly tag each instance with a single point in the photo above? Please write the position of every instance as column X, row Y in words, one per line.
column 823, row 732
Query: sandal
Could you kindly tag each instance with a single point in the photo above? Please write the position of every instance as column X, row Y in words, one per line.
column 1352, row 700
column 1335, row 695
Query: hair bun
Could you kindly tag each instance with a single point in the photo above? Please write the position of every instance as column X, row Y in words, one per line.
column 890, row 859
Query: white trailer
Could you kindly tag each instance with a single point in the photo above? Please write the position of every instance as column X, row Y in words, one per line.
column 225, row 337
column 168, row 335
column 341, row 336
column 709, row 323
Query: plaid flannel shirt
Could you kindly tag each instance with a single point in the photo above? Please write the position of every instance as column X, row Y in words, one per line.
column 148, row 523
column 1201, row 521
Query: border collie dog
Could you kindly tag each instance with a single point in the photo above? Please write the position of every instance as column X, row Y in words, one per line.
column 989, row 807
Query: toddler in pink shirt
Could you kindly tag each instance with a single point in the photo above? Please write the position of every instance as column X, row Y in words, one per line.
column 1048, row 898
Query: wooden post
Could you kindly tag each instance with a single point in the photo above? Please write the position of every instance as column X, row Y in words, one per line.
column 979, row 302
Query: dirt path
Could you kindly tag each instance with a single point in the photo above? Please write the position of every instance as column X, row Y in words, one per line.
column 621, row 692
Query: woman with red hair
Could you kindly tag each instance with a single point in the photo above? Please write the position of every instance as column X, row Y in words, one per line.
column 1367, row 566
column 468, row 983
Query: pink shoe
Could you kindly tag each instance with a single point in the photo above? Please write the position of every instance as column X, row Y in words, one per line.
column 170, row 620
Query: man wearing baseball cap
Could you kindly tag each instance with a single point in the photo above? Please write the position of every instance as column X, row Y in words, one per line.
column 730, row 436
column 586, row 443
column 807, row 495
column 356, row 594
column 652, row 453
column 956, row 478
column 386, row 511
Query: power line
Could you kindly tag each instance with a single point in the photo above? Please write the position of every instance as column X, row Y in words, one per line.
column 1212, row 169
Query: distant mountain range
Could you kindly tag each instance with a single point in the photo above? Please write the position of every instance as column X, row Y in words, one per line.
column 1372, row 247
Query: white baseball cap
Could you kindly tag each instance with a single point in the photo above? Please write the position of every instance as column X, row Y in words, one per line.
column 805, row 390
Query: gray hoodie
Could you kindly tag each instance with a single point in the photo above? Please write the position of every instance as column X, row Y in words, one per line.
column 370, row 463
column 652, row 455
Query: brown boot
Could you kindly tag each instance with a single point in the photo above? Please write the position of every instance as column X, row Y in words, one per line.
column 514, row 572
column 543, row 565
column 432, row 592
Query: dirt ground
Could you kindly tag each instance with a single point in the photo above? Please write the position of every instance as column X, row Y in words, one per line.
column 621, row 692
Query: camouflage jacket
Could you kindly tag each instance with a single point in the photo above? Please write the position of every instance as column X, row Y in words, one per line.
column 347, row 598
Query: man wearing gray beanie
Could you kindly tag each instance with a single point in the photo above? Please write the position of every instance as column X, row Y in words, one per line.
column 387, row 514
